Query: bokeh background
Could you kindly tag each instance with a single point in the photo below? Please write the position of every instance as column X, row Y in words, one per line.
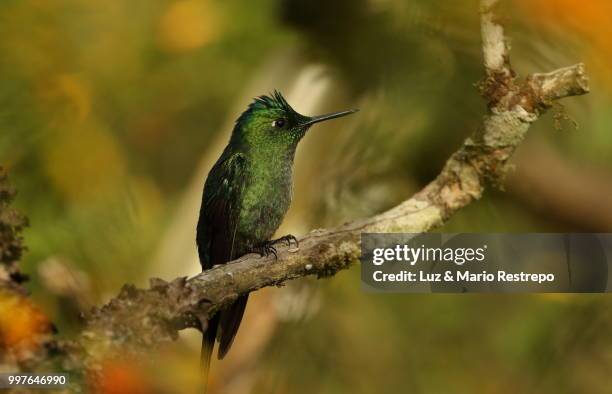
column 112, row 112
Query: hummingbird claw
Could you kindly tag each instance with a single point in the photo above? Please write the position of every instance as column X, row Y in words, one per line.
column 272, row 250
column 287, row 239
column 266, row 249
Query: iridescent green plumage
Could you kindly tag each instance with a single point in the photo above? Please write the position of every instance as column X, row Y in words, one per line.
column 246, row 196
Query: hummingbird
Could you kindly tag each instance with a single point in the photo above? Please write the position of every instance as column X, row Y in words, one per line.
column 246, row 196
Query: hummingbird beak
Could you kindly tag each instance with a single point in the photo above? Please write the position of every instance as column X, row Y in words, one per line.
column 321, row 118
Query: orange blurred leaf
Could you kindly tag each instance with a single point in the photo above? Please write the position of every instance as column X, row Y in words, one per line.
column 23, row 326
column 121, row 377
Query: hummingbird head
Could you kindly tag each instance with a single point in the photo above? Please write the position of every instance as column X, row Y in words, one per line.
column 271, row 121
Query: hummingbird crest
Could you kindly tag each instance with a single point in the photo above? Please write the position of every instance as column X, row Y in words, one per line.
column 269, row 106
column 273, row 101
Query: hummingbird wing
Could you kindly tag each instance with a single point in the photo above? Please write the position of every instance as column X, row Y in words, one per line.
column 218, row 222
column 217, row 244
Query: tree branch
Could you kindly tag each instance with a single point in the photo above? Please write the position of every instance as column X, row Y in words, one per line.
column 138, row 319
column 494, row 44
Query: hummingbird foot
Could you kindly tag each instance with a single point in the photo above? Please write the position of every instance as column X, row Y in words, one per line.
column 265, row 249
column 287, row 239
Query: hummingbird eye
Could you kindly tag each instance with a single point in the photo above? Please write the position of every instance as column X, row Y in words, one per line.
column 279, row 123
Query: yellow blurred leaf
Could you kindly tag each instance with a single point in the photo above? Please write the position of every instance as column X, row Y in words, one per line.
column 84, row 162
column 188, row 24
column 67, row 97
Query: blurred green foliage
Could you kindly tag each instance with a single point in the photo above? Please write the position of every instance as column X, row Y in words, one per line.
column 105, row 111
column 106, row 107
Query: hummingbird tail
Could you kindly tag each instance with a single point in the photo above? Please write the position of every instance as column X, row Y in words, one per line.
column 208, row 342
column 230, row 322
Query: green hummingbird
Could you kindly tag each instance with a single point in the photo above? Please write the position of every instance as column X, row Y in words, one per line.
column 246, row 195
